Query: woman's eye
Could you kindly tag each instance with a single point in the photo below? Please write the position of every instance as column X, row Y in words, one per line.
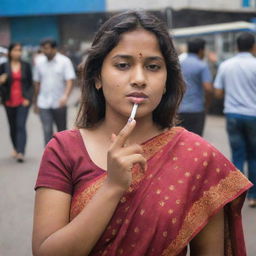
column 122, row 66
column 153, row 67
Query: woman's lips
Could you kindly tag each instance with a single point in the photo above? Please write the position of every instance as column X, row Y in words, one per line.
column 137, row 97
column 137, row 100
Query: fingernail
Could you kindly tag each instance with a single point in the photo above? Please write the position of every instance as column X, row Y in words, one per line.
column 130, row 120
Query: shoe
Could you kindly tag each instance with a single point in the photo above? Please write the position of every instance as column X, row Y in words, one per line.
column 252, row 203
column 20, row 158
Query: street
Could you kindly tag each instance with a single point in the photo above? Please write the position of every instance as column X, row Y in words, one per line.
column 17, row 181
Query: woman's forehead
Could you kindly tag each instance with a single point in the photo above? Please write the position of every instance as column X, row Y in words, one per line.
column 138, row 42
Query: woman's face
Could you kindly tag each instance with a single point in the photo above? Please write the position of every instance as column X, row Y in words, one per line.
column 16, row 52
column 133, row 72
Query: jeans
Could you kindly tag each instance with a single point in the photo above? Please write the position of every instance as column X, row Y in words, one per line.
column 242, row 138
column 193, row 122
column 49, row 117
column 17, row 118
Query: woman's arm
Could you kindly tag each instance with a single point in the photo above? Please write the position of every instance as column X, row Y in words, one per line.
column 210, row 241
column 52, row 232
column 53, row 235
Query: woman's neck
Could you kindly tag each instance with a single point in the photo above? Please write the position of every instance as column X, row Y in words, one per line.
column 144, row 129
column 15, row 62
column 15, row 65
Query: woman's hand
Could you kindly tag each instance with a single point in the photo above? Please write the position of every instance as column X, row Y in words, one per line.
column 3, row 78
column 25, row 103
column 120, row 159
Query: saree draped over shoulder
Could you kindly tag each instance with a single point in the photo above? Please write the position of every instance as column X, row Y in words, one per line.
column 187, row 181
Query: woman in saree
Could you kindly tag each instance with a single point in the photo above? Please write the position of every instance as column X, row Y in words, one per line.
column 138, row 187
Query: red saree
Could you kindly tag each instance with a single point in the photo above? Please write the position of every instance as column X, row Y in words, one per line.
column 187, row 182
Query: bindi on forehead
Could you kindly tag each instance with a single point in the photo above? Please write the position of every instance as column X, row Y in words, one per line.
column 140, row 55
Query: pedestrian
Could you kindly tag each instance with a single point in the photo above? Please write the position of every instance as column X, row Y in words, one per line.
column 144, row 187
column 198, row 81
column 236, row 82
column 17, row 90
column 53, row 79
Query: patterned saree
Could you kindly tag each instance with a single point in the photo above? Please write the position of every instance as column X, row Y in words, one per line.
column 187, row 182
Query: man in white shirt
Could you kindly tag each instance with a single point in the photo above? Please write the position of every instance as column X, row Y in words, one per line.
column 236, row 81
column 53, row 77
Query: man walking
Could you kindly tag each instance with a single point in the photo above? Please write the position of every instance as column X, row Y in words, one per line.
column 198, row 80
column 53, row 79
column 236, row 81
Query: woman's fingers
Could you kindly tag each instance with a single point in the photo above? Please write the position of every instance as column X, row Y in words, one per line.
column 123, row 135
column 130, row 160
column 131, row 149
column 113, row 137
column 121, row 159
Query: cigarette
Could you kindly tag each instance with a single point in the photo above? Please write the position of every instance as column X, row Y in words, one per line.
column 134, row 110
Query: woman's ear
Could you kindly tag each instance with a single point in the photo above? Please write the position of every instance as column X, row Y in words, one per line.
column 98, row 84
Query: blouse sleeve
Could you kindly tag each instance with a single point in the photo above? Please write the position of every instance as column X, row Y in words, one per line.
column 55, row 171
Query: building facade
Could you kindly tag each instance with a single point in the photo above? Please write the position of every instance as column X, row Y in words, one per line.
column 28, row 21
column 226, row 5
column 70, row 21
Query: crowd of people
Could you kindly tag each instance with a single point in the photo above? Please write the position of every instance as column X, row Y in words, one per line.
column 46, row 87
column 102, row 179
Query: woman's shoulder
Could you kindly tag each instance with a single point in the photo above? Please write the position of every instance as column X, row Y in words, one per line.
column 185, row 137
column 192, row 138
column 66, row 135
column 203, row 154
column 64, row 139
column 25, row 63
column 65, row 144
column 193, row 142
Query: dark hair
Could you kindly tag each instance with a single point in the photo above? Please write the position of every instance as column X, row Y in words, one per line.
column 92, row 107
column 195, row 45
column 50, row 41
column 245, row 42
column 10, row 48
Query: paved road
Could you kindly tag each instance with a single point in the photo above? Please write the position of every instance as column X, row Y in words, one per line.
column 17, row 181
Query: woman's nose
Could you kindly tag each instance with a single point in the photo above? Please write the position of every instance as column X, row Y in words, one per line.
column 138, row 77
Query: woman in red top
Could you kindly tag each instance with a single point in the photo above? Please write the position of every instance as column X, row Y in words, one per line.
column 16, row 86
column 136, row 188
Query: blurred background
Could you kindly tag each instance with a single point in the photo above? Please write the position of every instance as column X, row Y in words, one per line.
column 73, row 24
